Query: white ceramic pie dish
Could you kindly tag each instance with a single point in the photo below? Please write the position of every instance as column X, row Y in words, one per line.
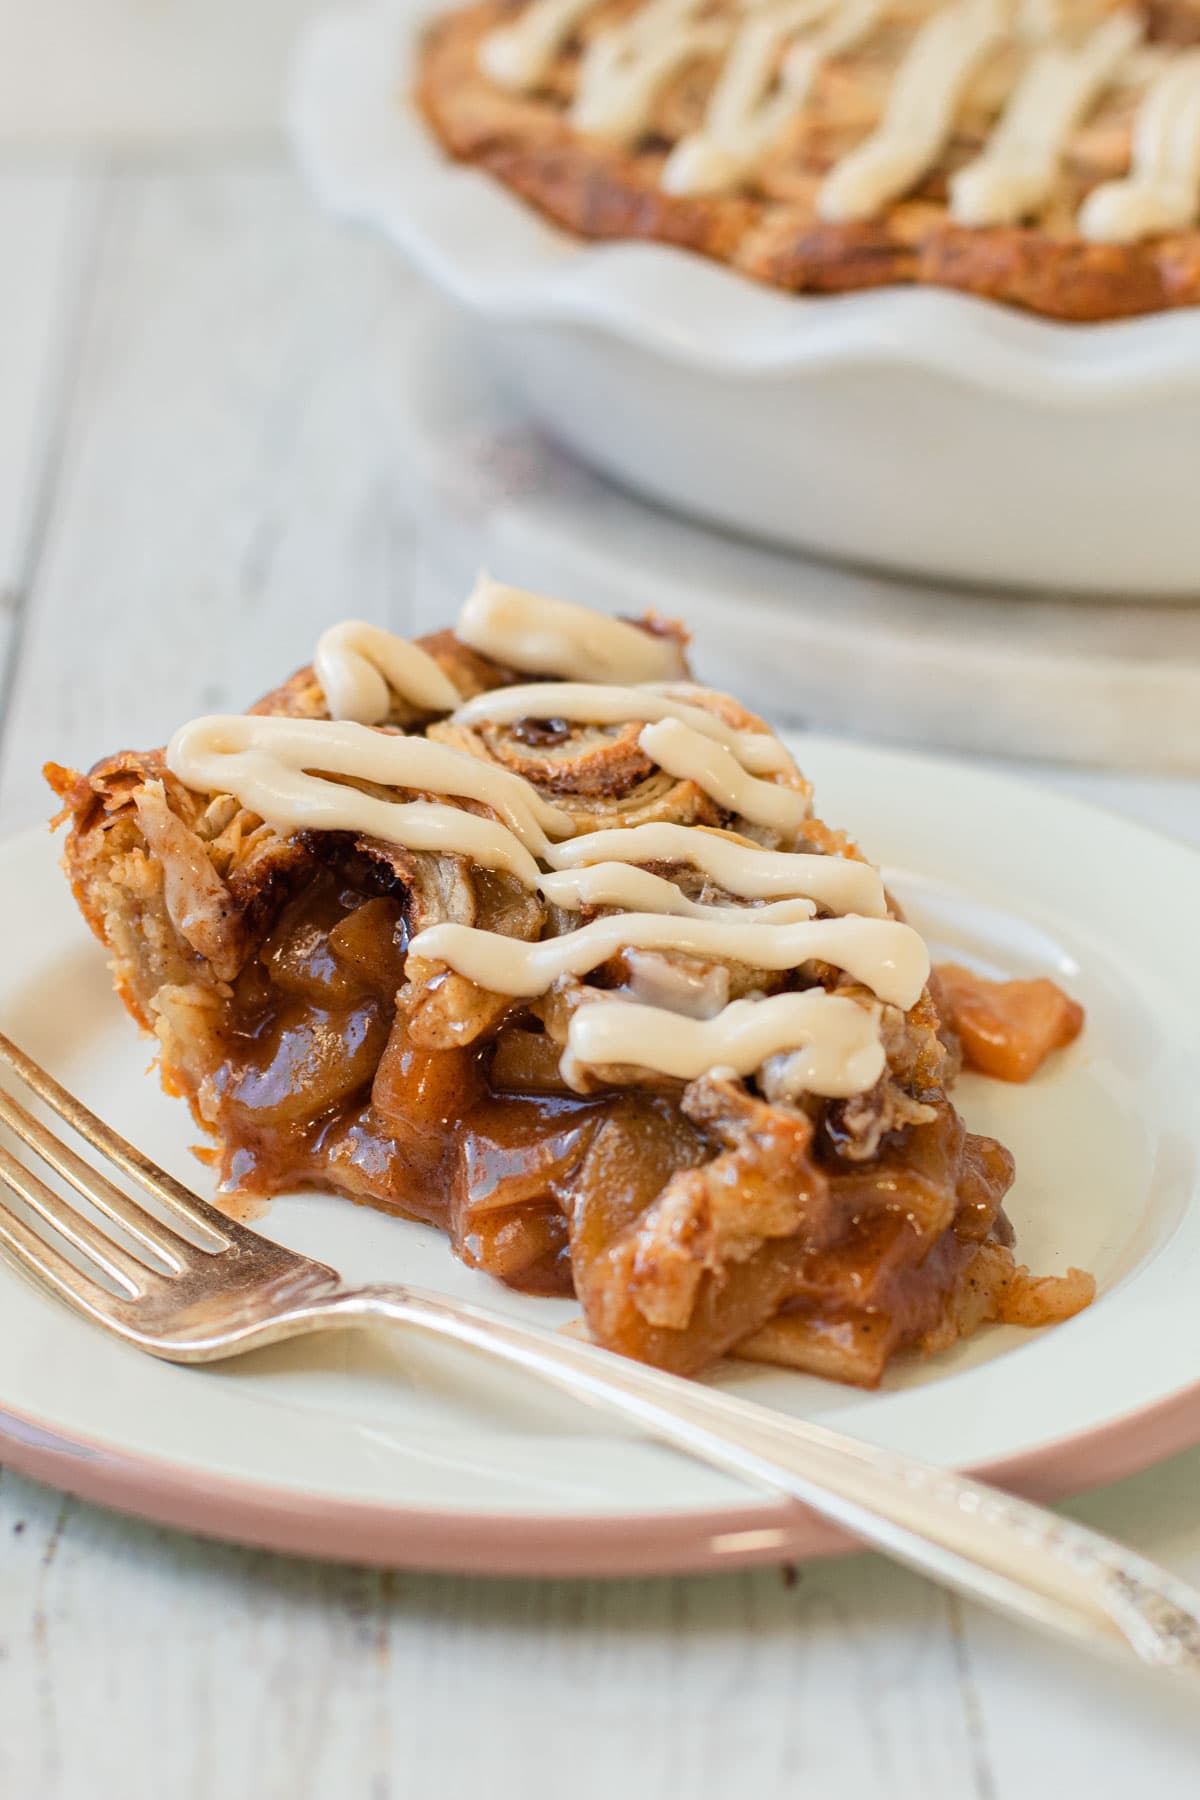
column 917, row 430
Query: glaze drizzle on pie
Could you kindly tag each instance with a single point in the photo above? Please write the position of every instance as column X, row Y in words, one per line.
column 1016, row 173
column 1162, row 190
column 947, row 53
column 769, row 60
column 1046, row 152
column 281, row 769
column 764, row 82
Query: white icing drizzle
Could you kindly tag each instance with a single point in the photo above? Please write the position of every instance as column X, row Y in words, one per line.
column 520, row 56
column 688, row 756
column 760, row 752
column 626, row 68
column 836, row 1040
column 945, row 54
column 1016, row 173
column 266, row 762
column 541, row 636
column 886, row 956
column 360, row 665
column 836, row 882
column 758, row 92
column 1039, row 19
column 640, row 890
column 1162, row 190
column 297, row 775
column 756, row 96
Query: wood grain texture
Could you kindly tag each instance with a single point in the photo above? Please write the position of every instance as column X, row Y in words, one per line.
column 233, row 468
column 232, row 476
column 258, row 1676
column 242, row 1675
column 45, row 219
column 144, row 72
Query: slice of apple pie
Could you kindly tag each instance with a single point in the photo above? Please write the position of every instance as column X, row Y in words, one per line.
column 518, row 931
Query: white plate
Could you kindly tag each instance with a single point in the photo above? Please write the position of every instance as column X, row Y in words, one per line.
column 919, row 430
column 387, row 1449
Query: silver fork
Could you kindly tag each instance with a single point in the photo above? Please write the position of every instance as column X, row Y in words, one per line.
column 221, row 1289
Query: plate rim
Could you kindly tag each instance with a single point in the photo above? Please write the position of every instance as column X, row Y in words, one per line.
column 619, row 1543
column 469, row 1542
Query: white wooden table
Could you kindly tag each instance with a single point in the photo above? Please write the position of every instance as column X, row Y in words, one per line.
column 200, row 462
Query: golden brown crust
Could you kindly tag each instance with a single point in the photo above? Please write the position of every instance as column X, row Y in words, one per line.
column 598, row 191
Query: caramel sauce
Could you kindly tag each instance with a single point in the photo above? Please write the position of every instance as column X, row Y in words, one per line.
column 886, row 1280
column 541, row 734
column 322, row 1085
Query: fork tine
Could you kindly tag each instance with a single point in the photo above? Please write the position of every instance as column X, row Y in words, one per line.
column 117, row 1262
column 122, row 1154
column 50, row 1267
column 141, row 1225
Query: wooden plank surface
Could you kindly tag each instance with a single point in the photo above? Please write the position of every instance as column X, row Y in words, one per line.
column 233, row 474
column 258, row 1676
column 45, row 220
column 144, row 73
column 230, row 472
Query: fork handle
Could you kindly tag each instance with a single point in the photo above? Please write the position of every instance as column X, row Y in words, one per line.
column 1045, row 1570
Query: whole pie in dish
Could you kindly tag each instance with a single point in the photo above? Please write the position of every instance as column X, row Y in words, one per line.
column 1041, row 152
column 518, row 931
